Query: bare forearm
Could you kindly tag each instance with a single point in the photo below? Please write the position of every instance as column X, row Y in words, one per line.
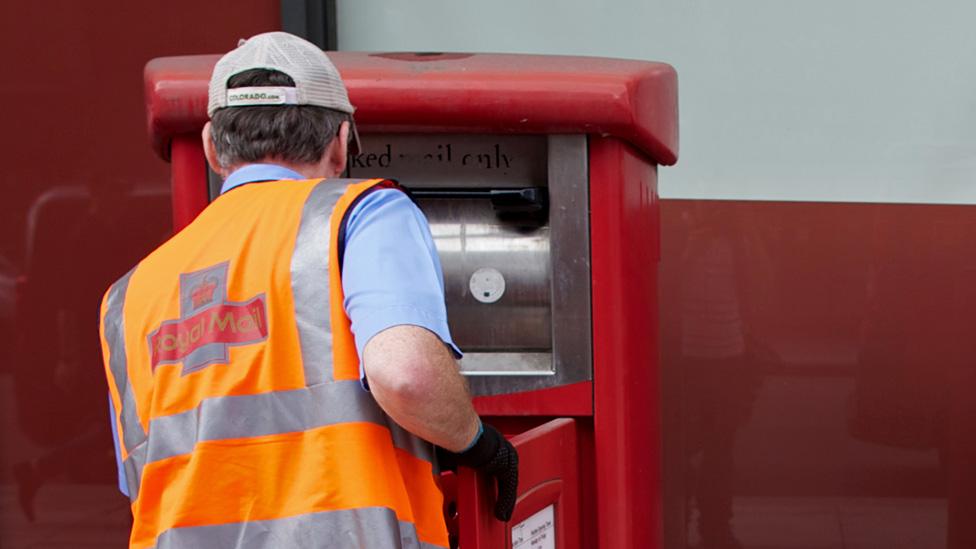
column 416, row 381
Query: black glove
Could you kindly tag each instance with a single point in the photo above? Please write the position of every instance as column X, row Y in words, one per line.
column 496, row 456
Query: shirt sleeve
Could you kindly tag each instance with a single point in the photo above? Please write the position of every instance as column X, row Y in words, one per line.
column 391, row 273
column 123, row 485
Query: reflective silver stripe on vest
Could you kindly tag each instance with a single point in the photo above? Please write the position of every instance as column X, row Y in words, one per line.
column 310, row 280
column 278, row 412
column 132, row 432
column 412, row 444
column 244, row 416
column 133, row 470
column 366, row 528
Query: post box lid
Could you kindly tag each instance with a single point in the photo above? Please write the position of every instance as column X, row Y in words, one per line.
column 635, row 101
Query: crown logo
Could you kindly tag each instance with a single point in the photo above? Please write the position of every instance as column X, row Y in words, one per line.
column 203, row 293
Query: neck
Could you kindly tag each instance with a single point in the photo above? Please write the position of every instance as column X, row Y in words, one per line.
column 308, row 171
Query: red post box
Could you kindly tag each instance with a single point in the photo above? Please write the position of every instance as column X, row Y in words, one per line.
column 539, row 177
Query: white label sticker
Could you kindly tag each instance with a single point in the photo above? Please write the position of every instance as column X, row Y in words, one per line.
column 536, row 532
column 487, row 285
column 268, row 95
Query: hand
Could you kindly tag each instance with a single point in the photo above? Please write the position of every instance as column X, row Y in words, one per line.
column 496, row 456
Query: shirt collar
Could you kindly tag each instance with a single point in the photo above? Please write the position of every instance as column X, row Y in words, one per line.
column 258, row 172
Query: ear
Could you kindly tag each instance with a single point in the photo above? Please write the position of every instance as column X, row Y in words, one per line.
column 210, row 151
column 338, row 149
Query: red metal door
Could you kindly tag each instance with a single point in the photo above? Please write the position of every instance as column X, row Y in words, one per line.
column 547, row 513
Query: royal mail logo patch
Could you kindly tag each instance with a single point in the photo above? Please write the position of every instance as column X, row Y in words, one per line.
column 209, row 324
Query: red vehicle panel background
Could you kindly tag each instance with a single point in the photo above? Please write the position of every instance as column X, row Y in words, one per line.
column 84, row 197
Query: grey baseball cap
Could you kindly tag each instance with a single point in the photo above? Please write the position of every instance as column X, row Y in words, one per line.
column 317, row 82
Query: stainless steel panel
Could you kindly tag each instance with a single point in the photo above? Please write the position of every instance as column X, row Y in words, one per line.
column 452, row 160
column 471, row 238
column 536, row 332
column 507, row 364
column 569, row 223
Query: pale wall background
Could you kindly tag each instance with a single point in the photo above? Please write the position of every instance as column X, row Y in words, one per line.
column 832, row 100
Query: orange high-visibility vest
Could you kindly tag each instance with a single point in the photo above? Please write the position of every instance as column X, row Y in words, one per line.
column 234, row 374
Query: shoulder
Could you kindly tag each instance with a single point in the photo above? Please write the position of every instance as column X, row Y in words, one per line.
column 384, row 206
column 383, row 200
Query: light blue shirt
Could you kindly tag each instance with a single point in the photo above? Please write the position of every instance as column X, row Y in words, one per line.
column 391, row 273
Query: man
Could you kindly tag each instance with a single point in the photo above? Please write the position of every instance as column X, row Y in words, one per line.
column 276, row 367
